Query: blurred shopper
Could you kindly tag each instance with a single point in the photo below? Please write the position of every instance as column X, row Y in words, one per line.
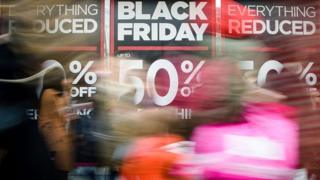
column 91, row 129
column 24, row 152
column 53, row 123
column 252, row 149
column 149, row 159
column 121, row 122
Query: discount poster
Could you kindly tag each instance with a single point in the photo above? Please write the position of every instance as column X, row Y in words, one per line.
column 283, row 31
column 142, row 27
column 262, row 36
column 71, row 35
column 168, row 37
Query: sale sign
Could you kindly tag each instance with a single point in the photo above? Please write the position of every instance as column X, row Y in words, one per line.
column 275, row 19
column 68, row 35
column 77, row 20
column 171, row 41
column 139, row 27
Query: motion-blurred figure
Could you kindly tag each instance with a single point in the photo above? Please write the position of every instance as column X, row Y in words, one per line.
column 25, row 151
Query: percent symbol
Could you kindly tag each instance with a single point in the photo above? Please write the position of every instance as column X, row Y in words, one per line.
column 76, row 68
column 310, row 78
column 188, row 67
